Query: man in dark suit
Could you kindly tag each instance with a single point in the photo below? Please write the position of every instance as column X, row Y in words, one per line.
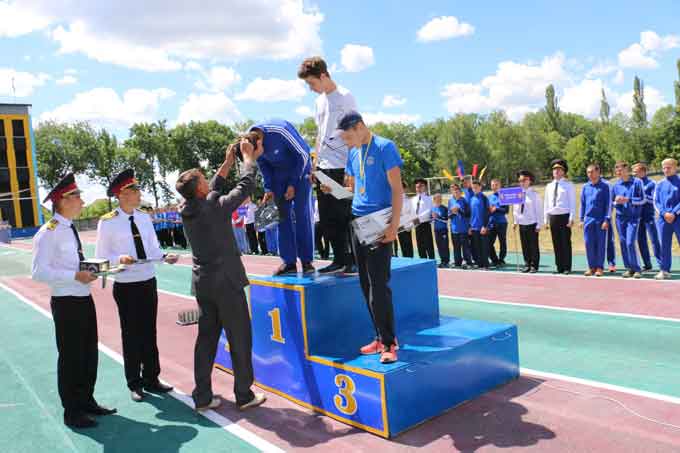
column 218, row 276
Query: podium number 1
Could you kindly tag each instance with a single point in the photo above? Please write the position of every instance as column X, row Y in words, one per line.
column 345, row 401
column 275, row 314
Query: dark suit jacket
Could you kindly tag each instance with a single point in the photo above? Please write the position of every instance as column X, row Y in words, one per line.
column 207, row 225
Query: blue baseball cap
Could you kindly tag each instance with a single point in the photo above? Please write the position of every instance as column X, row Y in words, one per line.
column 349, row 120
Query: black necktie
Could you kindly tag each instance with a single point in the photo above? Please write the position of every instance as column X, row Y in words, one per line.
column 418, row 205
column 522, row 209
column 557, row 185
column 139, row 245
column 81, row 257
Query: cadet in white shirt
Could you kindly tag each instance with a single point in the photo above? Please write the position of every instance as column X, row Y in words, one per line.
column 331, row 157
column 126, row 236
column 57, row 253
column 529, row 217
column 422, row 206
column 560, row 209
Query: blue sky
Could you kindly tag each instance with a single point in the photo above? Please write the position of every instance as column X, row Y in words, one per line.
column 117, row 63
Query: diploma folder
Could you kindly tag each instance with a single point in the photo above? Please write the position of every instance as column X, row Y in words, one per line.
column 370, row 229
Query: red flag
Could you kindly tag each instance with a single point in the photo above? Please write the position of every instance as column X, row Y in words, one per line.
column 474, row 170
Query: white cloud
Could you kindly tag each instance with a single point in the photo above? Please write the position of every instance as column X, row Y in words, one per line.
column 305, row 111
column 71, row 71
column 24, row 82
column 444, row 27
column 218, row 78
column 618, row 78
column 601, row 69
column 654, row 100
column 517, row 88
column 393, row 101
column 273, row 90
column 356, row 58
column 170, row 31
column 193, row 66
column 380, row 117
column 67, row 80
column 105, row 108
column 18, row 18
column 583, row 98
column 643, row 55
column 208, row 106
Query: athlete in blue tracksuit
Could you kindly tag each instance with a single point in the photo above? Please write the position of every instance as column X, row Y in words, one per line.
column 479, row 226
column 459, row 213
column 629, row 197
column 611, row 248
column 285, row 165
column 498, row 225
column 667, row 204
column 440, row 214
column 596, row 219
column 647, row 222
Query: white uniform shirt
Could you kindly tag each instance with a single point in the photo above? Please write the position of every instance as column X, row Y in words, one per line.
column 330, row 108
column 533, row 210
column 114, row 239
column 565, row 203
column 55, row 258
column 422, row 206
column 250, row 216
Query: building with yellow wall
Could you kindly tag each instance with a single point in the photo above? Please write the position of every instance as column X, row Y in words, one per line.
column 19, row 203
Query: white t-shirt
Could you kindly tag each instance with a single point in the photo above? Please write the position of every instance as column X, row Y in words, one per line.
column 250, row 216
column 330, row 108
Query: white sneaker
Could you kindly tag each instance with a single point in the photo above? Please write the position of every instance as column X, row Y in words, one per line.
column 213, row 404
column 662, row 275
column 258, row 399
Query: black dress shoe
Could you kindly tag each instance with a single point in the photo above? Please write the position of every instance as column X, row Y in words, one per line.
column 285, row 269
column 157, row 387
column 79, row 420
column 96, row 409
column 332, row 268
column 307, row 268
column 137, row 395
column 533, row 270
column 525, row 270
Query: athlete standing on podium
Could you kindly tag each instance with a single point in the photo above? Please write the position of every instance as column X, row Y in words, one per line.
column 374, row 175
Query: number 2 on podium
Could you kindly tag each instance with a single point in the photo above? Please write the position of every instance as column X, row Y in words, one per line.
column 275, row 314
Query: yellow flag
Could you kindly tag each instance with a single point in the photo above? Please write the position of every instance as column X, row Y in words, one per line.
column 448, row 175
column 481, row 173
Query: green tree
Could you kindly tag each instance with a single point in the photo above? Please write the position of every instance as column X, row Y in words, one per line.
column 578, row 153
column 308, row 130
column 62, row 148
column 459, row 140
column 604, row 108
column 552, row 108
column 152, row 141
column 200, row 144
column 639, row 107
column 676, row 85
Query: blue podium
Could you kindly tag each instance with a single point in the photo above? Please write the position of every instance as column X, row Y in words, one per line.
column 307, row 333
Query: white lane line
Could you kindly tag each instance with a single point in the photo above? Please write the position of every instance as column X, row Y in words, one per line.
column 550, row 307
column 211, row 415
column 601, row 385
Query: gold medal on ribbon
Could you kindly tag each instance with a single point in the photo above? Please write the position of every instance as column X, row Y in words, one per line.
column 362, row 190
column 362, row 166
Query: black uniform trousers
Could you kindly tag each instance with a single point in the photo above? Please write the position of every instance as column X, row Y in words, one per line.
column 528, row 236
column 252, row 237
column 227, row 310
column 262, row 240
column 335, row 217
column 498, row 231
column 406, row 243
column 461, row 249
column 442, row 239
column 374, row 265
column 137, row 309
column 178, row 237
column 75, row 325
column 480, row 249
column 424, row 240
column 561, row 240
column 321, row 241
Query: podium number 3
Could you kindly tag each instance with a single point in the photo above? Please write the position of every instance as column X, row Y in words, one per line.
column 345, row 401
column 275, row 314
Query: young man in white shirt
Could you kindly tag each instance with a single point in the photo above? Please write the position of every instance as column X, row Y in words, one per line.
column 560, row 210
column 529, row 217
column 422, row 206
column 331, row 157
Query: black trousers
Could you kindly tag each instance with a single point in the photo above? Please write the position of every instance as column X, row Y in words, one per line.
column 335, row 217
column 178, row 237
column 229, row 312
column 424, row 240
column 262, row 240
column 406, row 243
column 561, row 240
column 75, row 325
column 480, row 249
column 442, row 239
column 528, row 236
column 138, row 308
column 374, row 265
column 500, row 232
column 252, row 237
column 461, row 249
column 320, row 241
